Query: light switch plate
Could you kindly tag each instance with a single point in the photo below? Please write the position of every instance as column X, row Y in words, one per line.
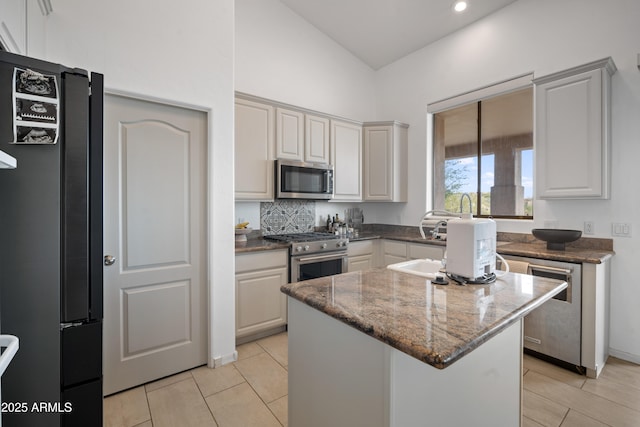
column 621, row 229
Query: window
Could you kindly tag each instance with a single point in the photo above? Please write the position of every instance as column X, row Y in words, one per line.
column 484, row 149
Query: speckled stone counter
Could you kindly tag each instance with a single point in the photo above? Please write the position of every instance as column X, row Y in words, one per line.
column 253, row 245
column 436, row 324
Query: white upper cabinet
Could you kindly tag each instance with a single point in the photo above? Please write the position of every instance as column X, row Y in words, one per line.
column 572, row 132
column 385, row 161
column 254, row 151
column 302, row 137
column 346, row 157
column 316, row 141
column 13, row 25
column 289, row 134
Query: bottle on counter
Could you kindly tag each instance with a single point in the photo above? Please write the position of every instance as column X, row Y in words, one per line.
column 329, row 223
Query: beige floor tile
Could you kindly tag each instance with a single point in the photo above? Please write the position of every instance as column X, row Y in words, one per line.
column 249, row 349
column 179, row 404
column 615, row 391
column 240, row 406
column 126, row 409
column 576, row 419
column 552, row 371
column 280, row 409
column 588, row 404
column 167, row 381
column 145, row 424
column 543, row 410
column 212, row 381
column 265, row 375
column 622, row 372
column 277, row 346
column 528, row 422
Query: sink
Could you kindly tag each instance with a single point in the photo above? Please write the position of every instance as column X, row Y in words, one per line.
column 427, row 268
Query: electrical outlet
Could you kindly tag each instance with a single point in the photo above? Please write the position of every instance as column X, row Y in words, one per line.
column 621, row 229
column 589, row 227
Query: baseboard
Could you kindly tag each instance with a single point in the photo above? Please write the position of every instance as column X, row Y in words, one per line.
column 223, row 360
column 629, row 357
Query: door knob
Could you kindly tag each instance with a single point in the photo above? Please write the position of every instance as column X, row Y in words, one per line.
column 109, row 260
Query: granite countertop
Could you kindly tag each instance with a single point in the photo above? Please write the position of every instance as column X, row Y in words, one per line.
column 587, row 250
column 437, row 324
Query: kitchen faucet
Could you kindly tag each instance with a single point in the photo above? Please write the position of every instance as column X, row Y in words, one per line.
column 470, row 204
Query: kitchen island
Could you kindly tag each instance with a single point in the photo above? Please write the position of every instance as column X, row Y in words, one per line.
column 383, row 348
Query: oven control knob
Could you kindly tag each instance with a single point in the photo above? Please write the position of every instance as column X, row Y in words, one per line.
column 340, row 244
column 324, row 246
column 306, row 247
column 299, row 248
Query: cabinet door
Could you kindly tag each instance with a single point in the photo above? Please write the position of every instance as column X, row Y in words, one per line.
column 346, row 156
column 289, row 134
column 259, row 303
column 378, row 160
column 316, row 140
column 572, row 136
column 254, row 151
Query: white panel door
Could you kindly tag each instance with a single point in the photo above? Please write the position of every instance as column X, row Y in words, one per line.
column 154, row 225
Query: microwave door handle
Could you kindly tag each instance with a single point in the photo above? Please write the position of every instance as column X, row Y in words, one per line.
column 327, row 181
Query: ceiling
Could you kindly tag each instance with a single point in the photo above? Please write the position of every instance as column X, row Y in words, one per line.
column 380, row 32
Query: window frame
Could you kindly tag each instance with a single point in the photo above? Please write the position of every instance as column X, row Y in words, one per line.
column 474, row 97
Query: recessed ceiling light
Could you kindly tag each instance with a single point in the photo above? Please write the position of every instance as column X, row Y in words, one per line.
column 459, row 6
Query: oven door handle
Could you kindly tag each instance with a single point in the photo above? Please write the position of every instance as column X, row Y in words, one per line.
column 322, row 257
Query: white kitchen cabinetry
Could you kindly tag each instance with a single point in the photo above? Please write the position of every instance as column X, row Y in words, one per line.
column 573, row 132
column 419, row 251
column 361, row 255
column 13, row 25
column 393, row 252
column 261, row 309
column 346, row 157
column 385, row 161
column 302, row 137
column 254, row 150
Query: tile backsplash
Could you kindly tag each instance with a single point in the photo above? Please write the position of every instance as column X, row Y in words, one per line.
column 287, row 216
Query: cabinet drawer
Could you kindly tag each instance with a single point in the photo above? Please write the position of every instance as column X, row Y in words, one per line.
column 425, row 251
column 360, row 248
column 261, row 260
column 395, row 248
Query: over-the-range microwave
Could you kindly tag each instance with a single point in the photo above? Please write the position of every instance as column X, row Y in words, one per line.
column 300, row 180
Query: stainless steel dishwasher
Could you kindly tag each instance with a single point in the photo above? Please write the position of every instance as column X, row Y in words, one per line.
column 555, row 328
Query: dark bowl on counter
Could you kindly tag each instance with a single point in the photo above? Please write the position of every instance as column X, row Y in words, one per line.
column 556, row 238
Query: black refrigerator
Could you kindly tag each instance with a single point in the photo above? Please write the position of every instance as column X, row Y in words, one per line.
column 51, row 242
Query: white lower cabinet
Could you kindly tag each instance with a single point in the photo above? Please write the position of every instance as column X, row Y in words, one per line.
column 419, row 251
column 260, row 306
column 361, row 255
column 393, row 252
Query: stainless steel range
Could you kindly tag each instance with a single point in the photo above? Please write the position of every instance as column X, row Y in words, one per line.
column 314, row 254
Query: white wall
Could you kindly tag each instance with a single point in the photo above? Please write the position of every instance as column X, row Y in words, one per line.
column 281, row 56
column 176, row 51
column 539, row 36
